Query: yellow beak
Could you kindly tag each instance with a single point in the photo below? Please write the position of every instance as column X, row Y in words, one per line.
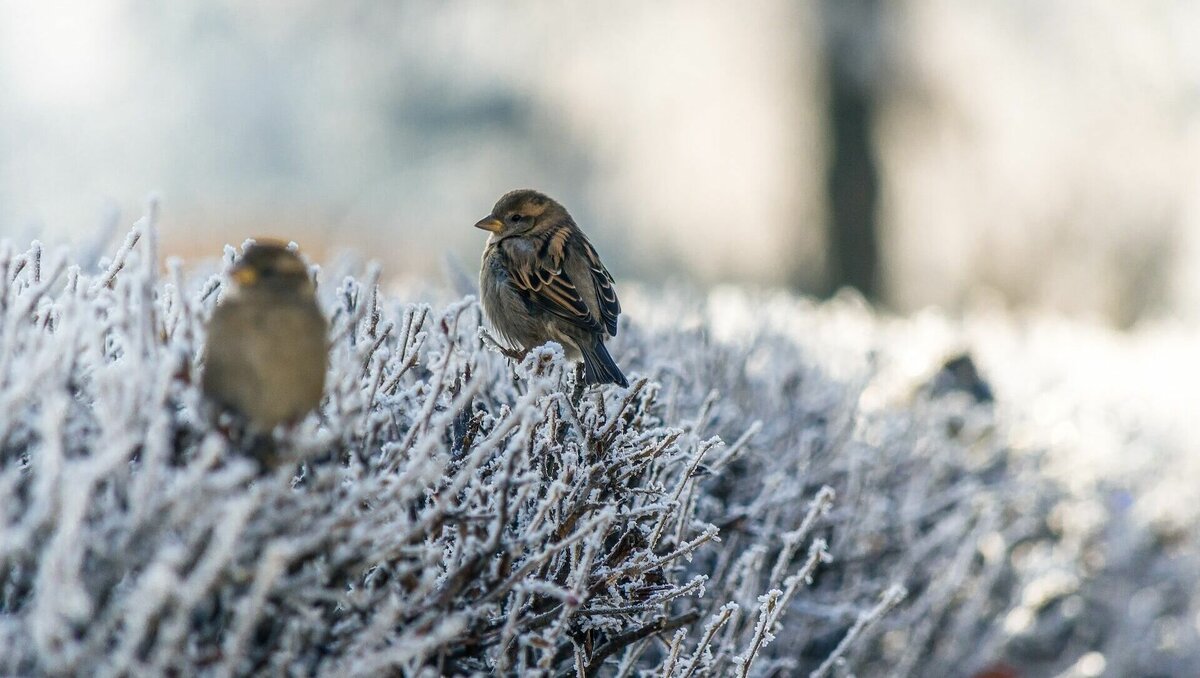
column 490, row 223
column 244, row 275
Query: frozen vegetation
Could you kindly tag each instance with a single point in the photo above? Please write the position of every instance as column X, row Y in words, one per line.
column 785, row 489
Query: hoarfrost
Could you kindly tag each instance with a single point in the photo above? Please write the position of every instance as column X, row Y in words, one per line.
column 448, row 512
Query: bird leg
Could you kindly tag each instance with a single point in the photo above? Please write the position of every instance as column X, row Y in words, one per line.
column 517, row 354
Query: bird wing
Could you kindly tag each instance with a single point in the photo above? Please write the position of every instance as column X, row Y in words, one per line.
column 606, row 293
column 545, row 282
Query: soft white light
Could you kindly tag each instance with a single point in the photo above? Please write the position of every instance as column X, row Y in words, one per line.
column 60, row 52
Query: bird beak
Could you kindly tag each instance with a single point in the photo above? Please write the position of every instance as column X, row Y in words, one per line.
column 490, row 223
column 244, row 275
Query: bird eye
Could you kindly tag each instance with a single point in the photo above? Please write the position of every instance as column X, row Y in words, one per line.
column 516, row 218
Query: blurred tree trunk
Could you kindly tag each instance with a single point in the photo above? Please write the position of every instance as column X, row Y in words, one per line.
column 853, row 55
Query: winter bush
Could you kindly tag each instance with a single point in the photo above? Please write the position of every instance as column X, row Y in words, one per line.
column 749, row 506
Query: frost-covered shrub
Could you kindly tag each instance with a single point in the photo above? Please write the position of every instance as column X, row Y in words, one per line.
column 739, row 510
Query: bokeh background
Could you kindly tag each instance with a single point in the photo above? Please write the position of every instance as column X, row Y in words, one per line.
column 1044, row 154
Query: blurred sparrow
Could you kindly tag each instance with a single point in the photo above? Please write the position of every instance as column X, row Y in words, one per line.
column 541, row 281
column 267, row 349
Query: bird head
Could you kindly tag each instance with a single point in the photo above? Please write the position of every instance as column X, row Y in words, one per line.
column 520, row 212
column 271, row 266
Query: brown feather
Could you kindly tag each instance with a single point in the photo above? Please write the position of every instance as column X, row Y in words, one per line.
column 541, row 280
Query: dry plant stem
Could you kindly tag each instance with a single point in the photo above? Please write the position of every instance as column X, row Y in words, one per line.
column 118, row 261
column 633, row 635
column 777, row 601
column 888, row 600
column 722, row 618
column 458, row 514
column 632, row 654
column 673, row 652
column 791, row 541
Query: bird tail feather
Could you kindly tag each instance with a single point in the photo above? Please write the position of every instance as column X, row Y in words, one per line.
column 599, row 367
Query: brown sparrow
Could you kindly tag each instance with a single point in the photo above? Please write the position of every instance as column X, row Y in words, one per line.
column 267, row 349
column 541, row 280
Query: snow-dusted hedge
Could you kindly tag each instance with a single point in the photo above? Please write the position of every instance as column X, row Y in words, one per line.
column 737, row 511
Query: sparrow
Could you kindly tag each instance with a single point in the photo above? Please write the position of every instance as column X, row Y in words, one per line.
column 267, row 348
column 541, row 280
